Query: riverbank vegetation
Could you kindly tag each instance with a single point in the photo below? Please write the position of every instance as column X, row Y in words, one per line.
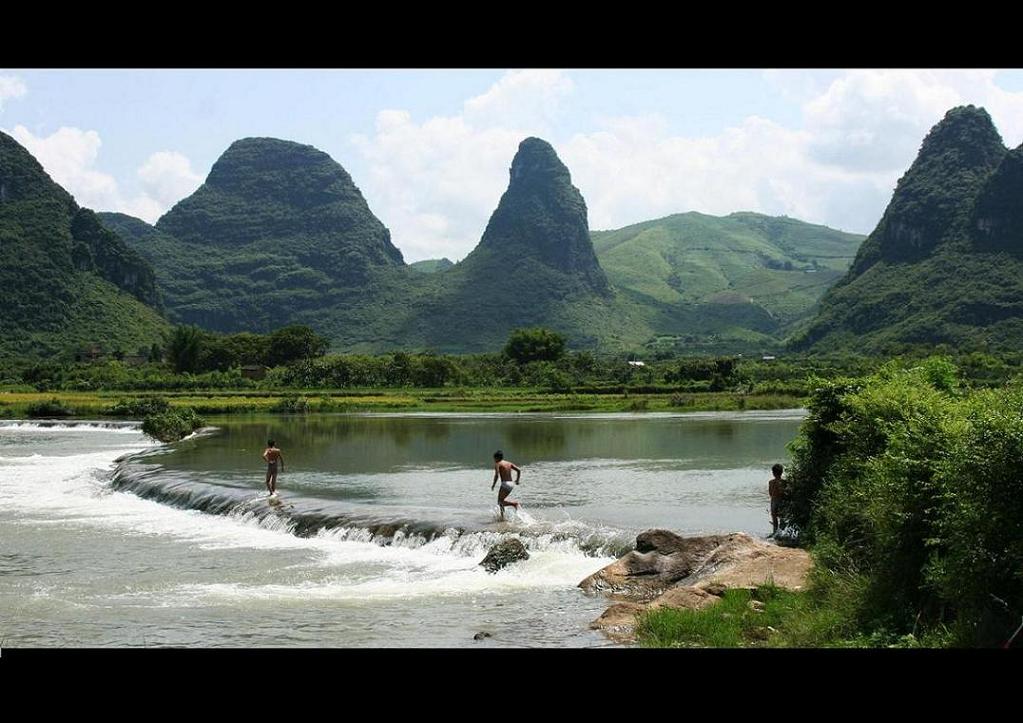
column 905, row 485
column 288, row 372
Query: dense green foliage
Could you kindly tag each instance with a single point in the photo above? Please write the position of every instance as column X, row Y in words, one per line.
column 908, row 485
column 997, row 221
column 50, row 408
column 190, row 349
column 944, row 263
column 66, row 280
column 539, row 344
column 293, row 343
column 142, row 407
column 184, row 348
column 172, row 424
column 584, row 372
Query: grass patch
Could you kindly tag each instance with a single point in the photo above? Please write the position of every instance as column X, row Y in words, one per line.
column 826, row 615
column 743, row 618
column 495, row 399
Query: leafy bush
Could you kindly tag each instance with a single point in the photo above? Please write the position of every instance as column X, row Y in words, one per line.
column 293, row 343
column 172, row 425
column 140, row 407
column 538, row 344
column 911, row 483
column 52, row 407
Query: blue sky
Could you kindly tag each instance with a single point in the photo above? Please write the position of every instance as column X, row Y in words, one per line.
column 430, row 149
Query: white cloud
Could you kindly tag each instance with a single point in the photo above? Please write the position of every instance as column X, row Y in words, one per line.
column 69, row 156
column 636, row 170
column 875, row 120
column 435, row 183
column 520, row 98
column 10, row 87
column 167, row 177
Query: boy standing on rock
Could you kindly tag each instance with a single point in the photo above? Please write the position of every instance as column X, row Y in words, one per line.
column 774, row 488
column 503, row 469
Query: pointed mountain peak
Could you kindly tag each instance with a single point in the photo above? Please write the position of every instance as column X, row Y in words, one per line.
column 536, row 161
column 967, row 131
column 542, row 216
column 933, row 199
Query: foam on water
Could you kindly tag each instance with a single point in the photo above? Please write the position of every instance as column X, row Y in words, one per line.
column 73, row 490
column 43, row 426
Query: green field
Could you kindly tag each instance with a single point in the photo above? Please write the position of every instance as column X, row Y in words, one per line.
column 98, row 404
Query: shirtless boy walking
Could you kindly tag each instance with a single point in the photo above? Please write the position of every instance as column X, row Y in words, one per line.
column 502, row 469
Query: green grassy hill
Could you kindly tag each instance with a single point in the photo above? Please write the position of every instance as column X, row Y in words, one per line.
column 723, row 282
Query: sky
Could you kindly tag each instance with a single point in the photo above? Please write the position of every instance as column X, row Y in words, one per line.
column 430, row 149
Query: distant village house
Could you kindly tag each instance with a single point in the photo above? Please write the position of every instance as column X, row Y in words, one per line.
column 254, row 371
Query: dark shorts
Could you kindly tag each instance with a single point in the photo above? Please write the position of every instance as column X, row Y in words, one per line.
column 774, row 507
column 271, row 468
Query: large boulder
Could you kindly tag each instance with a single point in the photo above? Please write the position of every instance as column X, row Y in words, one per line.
column 504, row 553
column 661, row 559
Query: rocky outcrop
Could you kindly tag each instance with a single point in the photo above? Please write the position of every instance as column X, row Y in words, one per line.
column 661, row 560
column 504, row 553
column 668, row 570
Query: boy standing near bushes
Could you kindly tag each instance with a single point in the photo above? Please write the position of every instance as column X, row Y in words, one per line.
column 774, row 488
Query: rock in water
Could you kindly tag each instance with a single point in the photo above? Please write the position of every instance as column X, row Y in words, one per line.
column 481, row 636
column 504, row 553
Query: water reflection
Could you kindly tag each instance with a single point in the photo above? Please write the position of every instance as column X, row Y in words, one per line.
column 379, row 444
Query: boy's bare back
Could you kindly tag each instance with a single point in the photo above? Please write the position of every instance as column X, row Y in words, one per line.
column 504, row 468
